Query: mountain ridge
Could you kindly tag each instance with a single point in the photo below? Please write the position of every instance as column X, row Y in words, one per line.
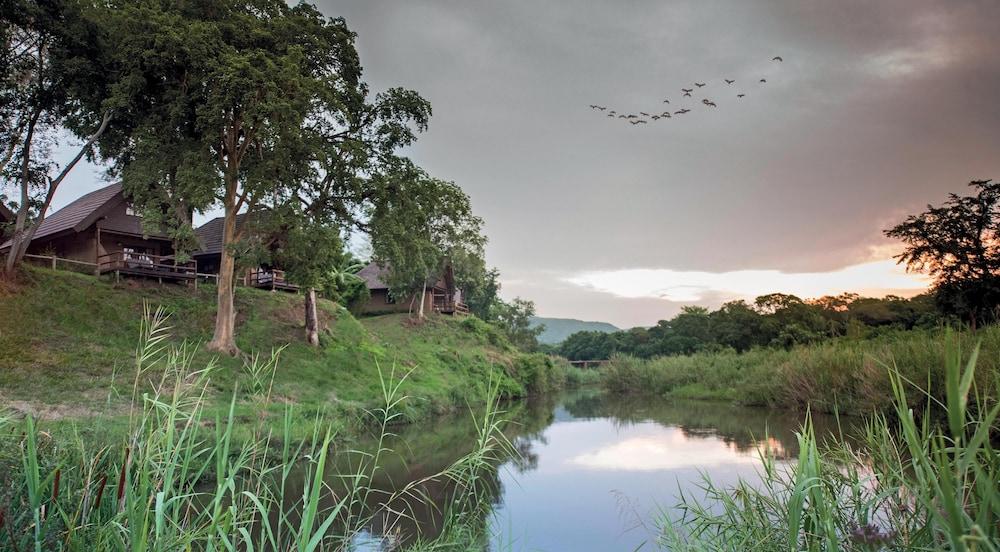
column 558, row 329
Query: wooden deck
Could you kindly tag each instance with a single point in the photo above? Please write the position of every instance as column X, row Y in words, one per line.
column 450, row 307
column 162, row 268
column 273, row 280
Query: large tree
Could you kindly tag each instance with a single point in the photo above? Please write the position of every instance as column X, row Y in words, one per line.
column 958, row 244
column 255, row 102
column 56, row 73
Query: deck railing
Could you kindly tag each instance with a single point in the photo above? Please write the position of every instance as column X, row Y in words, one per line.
column 269, row 279
column 445, row 305
column 59, row 263
column 144, row 264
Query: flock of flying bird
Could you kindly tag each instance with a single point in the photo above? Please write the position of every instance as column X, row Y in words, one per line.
column 643, row 117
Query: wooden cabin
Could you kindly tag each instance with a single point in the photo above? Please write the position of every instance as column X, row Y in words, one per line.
column 209, row 259
column 101, row 229
column 442, row 295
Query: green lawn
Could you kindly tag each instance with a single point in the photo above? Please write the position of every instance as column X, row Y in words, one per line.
column 67, row 349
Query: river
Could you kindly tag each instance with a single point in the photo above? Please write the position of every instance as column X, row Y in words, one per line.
column 595, row 471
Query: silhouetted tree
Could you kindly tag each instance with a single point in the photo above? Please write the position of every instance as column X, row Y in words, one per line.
column 957, row 244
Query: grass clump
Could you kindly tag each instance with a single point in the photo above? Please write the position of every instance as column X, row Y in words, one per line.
column 178, row 478
column 907, row 485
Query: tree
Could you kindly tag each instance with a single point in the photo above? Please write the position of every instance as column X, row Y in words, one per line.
column 957, row 244
column 260, row 104
column 424, row 224
column 56, row 76
column 514, row 319
column 739, row 326
column 343, row 284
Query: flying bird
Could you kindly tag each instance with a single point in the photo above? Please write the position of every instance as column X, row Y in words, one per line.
column 686, row 90
column 740, row 95
column 777, row 58
column 729, row 81
column 709, row 102
column 763, row 80
column 666, row 101
column 644, row 113
column 681, row 111
column 687, row 94
column 699, row 84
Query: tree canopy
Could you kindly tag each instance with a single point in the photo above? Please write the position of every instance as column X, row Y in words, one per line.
column 957, row 244
column 775, row 320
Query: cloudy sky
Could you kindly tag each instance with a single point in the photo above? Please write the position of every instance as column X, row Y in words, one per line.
column 877, row 109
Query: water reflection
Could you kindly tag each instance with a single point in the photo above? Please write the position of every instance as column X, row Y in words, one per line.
column 591, row 469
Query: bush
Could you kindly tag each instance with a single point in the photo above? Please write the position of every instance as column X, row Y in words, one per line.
column 541, row 373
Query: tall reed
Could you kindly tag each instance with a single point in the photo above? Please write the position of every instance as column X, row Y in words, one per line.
column 910, row 484
column 178, row 479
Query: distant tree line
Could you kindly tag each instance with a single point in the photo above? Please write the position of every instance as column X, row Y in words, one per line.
column 774, row 320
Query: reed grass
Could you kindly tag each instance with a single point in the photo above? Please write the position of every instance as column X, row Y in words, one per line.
column 908, row 484
column 179, row 479
column 844, row 375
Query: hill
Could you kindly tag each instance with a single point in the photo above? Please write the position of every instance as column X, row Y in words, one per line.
column 558, row 329
column 68, row 342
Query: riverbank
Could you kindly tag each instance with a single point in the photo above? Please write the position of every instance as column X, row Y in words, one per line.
column 68, row 350
column 905, row 485
column 849, row 376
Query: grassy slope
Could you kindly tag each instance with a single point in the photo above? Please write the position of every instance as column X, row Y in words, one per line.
column 64, row 337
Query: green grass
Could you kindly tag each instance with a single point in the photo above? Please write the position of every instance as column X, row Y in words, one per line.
column 178, row 478
column 66, row 338
column 907, row 484
column 844, row 375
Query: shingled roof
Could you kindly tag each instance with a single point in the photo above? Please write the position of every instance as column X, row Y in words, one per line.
column 83, row 212
column 79, row 214
column 6, row 215
column 374, row 276
column 210, row 235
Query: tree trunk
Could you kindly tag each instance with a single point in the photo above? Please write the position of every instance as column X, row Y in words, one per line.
column 423, row 294
column 224, row 339
column 312, row 318
column 23, row 232
column 16, row 252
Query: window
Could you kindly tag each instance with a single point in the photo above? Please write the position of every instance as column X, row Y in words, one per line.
column 389, row 299
column 130, row 210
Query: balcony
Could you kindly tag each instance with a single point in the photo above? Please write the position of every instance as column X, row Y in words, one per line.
column 273, row 280
column 161, row 267
column 448, row 305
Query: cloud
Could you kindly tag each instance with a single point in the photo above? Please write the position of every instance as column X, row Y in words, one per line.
column 870, row 278
column 665, row 449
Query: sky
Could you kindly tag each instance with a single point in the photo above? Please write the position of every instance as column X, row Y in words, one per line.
column 878, row 109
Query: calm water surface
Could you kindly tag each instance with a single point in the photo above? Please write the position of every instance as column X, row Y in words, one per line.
column 595, row 471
